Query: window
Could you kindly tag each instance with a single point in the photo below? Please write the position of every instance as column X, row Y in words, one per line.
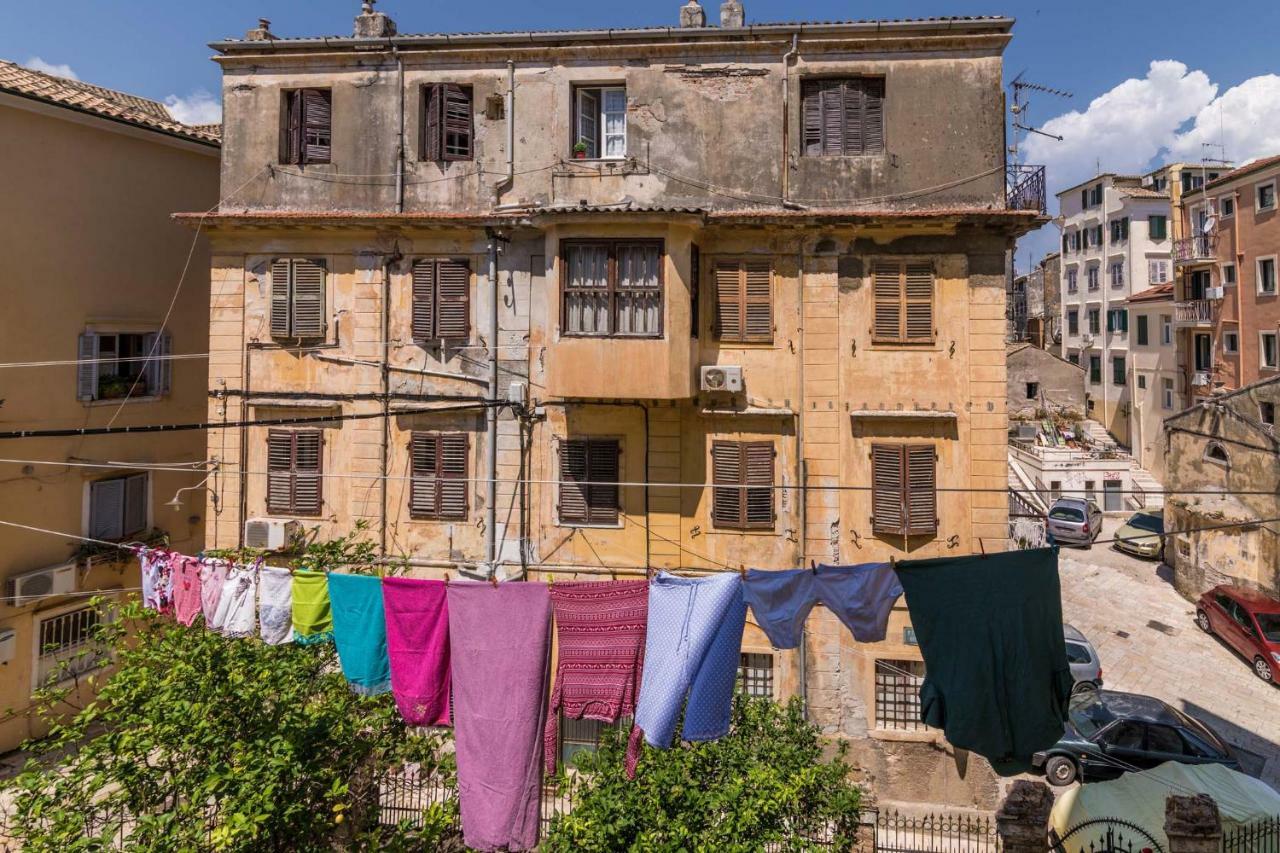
column 898, row 694
column 1166, row 330
column 744, row 301
column 1227, row 207
column 118, row 507
column 438, row 488
column 447, row 124
column 755, row 674
column 1142, row 330
column 68, row 645
column 1093, row 276
column 297, row 298
column 612, row 288
column 1076, row 652
column 115, row 366
column 600, row 114
column 589, row 481
column 1120, row 229
column 1117, row 274
column 1064, row 243
column 1158, row 227
column 1267, row 275
column 1267, row 350
column 1095, row 197
column 1033, row 390
column 1117, row 320
column 742, row 476
column 1142, row 382
column 1055, row 489
column 1166, row 401
column 294, row 482
column 1215, row 452
column 1267, row 413
column 1073, row 280
column 1095, row 370
column 1073, row 322
column 843, row 117
column 1228, row 274
column 1157, row 271
column 904, row 499
column 306, row 132
column 1097, row 234
column 1231, row 342
column 1202, row 351
column 1117, row 370
column 1084, row 236
column 584, row 735
column 1266, row 194
column 1077, row 240
column 903, row 302
column 1095, row 321
column 1073, row 357
column 441, row 299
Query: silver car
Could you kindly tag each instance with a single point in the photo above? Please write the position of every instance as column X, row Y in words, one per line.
column 1074, row 521
column 1086, row 668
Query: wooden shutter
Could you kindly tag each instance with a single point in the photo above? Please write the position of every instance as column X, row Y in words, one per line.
column 432, row 131
column 918, row 285
column 317, row 117
column 573, row 472
column 851, row 104
column 135, row 504
column 438, row 487
column 280, row 302
column 888, row 302
column 453, row 476
column 87, row 370
column 832, row 104
column 106, row 509
column 453, row 300
column 589, row 475
column 842, row 116
column 726, row 475
column 308, row 298
column 307, row 446
column 424, row 300
column 744, row 301
column 758, row 464
column 742, row 484
column 888, row 514
column 903, row 295
column 728, row 301
column 873, row 141
column 811, row 118
column 291, row 135
column 424, row 456
column 922, row 492
column 279, row 471
column 457, row 122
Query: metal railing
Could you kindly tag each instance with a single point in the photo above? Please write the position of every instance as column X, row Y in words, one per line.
column 1260, row 837
column 1193, row 311
column 1201, row 247
column 1025, row 188
column 934, row 833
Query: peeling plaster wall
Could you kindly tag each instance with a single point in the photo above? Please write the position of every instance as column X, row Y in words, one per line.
column 1061, row 383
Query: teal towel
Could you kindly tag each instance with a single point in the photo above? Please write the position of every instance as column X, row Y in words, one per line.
column 360, row 632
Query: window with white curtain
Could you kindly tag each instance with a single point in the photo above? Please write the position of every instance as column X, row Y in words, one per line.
column 612, row 288
column 600, row 128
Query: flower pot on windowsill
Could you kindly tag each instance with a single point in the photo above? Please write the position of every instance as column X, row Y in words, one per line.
column 120, row 389
column 580, row 151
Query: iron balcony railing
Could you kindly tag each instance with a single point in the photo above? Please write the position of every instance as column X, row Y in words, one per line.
column 1025, row 187
column 1193, row 312
column 1201, row 247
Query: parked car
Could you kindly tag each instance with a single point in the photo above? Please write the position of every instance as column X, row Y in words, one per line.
column 1109, row 733
column 1134, row 536
column 1074, row 521
column 1247, row 621
column 1086, row 668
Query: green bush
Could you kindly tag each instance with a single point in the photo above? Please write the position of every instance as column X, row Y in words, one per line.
column 765, row 785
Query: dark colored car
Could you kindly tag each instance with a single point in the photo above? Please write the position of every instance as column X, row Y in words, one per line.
column 1249, row 622
column 1109, row 733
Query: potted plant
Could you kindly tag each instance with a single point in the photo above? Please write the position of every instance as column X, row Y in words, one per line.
column 580, row 151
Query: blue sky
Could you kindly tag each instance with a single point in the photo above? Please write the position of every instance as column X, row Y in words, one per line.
column 1126, row 112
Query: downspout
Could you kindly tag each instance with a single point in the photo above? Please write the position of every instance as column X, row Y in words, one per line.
column 491, row 417
column 509, row 180
column 392, row 258
column 399, row 157
column 802, row 468
column 786, row 119
column 244, row 447
column 1235, row 262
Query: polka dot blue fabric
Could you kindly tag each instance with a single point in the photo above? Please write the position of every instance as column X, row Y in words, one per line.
column 691, row 652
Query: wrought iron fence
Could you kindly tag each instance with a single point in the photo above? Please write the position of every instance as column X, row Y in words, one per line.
column 1025, row 187
column 936, row 832
column 1260, row 837
column 1104, row 835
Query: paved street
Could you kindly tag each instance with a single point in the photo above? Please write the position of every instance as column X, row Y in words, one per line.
column 1148, row 643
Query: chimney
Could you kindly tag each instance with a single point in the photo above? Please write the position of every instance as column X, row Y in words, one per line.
column 731, row 14
column 692, row 15
column 373, row 25
column 261, row 33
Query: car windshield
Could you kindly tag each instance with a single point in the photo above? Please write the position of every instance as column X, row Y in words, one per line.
column 1088, row 714
column 1270, row 625
column 1146, row 521
column 1066, row 513
column 1077, row 653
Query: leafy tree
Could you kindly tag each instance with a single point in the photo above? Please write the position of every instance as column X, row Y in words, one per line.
column 764, row 786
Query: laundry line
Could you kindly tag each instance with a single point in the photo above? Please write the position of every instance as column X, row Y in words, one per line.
column 75, row 362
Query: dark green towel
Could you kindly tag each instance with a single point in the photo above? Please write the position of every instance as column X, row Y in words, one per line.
column 990, row 629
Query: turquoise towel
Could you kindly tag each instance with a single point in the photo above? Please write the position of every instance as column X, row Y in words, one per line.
column 360, row 632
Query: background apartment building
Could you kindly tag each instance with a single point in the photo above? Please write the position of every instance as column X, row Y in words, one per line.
column 90, row 178
column 661, row 286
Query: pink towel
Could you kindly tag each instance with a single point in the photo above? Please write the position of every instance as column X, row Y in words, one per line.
column 417, row 614
column 185, row 574
column 499, row 642
column 213, row 574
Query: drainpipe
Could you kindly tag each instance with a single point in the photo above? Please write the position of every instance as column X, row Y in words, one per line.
column 491, row 416
column 786, row 118
column 802, row 467
column 399, row 143
column 509, row 180
column 1235, row 263
column 387, row 263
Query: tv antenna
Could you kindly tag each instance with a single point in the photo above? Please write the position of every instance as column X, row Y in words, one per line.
column 1021, row 104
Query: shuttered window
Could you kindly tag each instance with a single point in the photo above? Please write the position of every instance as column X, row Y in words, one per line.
column 589, row 481
column 441, row 299
column 118, row 507
column 742, row 490
column 843, row 116
column 438, row 488
column 294, row 471
column 297, row 298
column 744, row 300
column 903, row 302
column 307, row 132
column 448, row 127
column 119, row 365
column 904, row 494
column 612, row 288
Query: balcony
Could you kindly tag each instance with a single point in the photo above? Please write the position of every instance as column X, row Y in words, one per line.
column 1195, row 250
column 1024, row 188
column 1193, row 312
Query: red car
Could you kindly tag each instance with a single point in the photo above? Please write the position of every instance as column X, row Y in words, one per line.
column 1249, row 622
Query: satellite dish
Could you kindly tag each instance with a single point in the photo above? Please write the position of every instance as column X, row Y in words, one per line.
column 1209, row 221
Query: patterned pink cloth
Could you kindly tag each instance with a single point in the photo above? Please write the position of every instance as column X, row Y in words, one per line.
column 213, row 574
column 600, row 627
column 185, row 574
column 417, row 615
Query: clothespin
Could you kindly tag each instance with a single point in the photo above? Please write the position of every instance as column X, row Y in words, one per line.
column 813, row 566
column 493, row 579
column 446, row 578
column 893, row 562
column 742, row 571
column 982, row 548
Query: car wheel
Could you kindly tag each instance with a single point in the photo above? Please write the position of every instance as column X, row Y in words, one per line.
column 1060, row 770
column 1262, row 669
column 1202, row 619
column 1084, row 686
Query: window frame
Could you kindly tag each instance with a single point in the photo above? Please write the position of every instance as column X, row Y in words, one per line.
column 1167, row 392
column 1262, row 350
column 903, row 492
column 753, row 674
column 439, row 477
column 93, row 488
column 292, row 508
column 1152, row 220
column 290, row 301
column 599, row 137
column 1073, row 321
column 426, row 309
column 1275, row 273
column 297, row 152
column 156, row 369
column 1257, row 196
column 896, row 695
column 868, row 88
column 1166, row 330
column 1093, row 317
column 609, row 516
column 902, row 302
column 1095, row 375
column 1073, row 280
column 743, row 486
column 1116, row 270
column 1142, row 334
column 1223, row 200
column 1230, row 349
column 1093, row 277
column 1223, row 461
column 1120, row 378
column 1222, row 274
column 436, row 149
column 45, row 663
column 743, row 300
column 612, row 288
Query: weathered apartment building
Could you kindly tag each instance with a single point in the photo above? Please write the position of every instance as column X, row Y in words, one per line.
column 708, row 273
column 90, row 177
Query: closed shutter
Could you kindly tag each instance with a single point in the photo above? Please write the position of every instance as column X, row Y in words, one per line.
column 280, row 319
column 888, row 514
column 432, row 132
column 742, row 484
column 291, row 138
column 726, row 474
column 87, row 370
column 135, row 504
column 457, row 122
column 744, row 301
column 919, row 302
column 306, row 477
column 573, row 472
column 811, row 118
column 903, row 296
column 279, row 471
column 308, row 298
column 453, row 476
column 589, row 476
column 106, row 509
column 424, row 300
column 851, row 104
column 317, row 120
column 424, row 455
column 888, row 302
column 842, row 117
column 832, row 102
column 438, row 488
column 453, row 302
column 922, row 493
column 873, row 137
column 294, row 471
column 758, row 456
column 728, row 304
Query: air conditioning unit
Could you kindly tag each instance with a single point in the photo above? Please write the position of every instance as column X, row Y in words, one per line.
column 1200, row 377
column 1086, row 340
column 727, row 379
column 32, row 586
column 270, row 534
column 1213, row 293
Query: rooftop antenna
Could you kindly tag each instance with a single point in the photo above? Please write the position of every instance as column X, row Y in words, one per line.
column 1021, row 103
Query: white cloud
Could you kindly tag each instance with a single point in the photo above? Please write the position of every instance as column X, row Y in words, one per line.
column 200, row 107
column 1245, row 120
column 35, row 63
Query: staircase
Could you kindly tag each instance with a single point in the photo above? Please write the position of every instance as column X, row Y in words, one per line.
column 1098, row 436
column 1141, row 479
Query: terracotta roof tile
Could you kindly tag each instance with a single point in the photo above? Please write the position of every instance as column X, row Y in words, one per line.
column 1255, row 166
column 1159, row 293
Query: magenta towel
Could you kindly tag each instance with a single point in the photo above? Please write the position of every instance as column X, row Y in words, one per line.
column 499, row 641
column 213, row 574
column 417, row 613
column 185, row 574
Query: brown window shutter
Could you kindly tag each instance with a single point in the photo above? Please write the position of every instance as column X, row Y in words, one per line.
column 423, row 274
column 317, row 117
column 742, row 484
column 873, row 116
column 887, row 287
column 918, row 301
column 851, row 104
column 888, row 511
column 602, row 471
column 280, row 298
column 291, row 135
column 424, row 454
column 135, row 504
column 279, row 471
column 922, row 490
column 457, row 123
column 573, row 472
column 757, row 301
column 758, row 459
column 308, row 298
column 306, row 467
column 811, row 118
column 727, row 508
column 453, row 300
column 832, row 100
column 432, row 115
column 453, row 476
column 728, row 301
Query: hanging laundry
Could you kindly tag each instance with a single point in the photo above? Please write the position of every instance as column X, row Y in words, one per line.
column 157, row 593
column 600, row 628
column 312, row 616
column 237, row 609
column 990, row 630
column 417, row 613
column 499, row 641
column 692, row 645
column 213, row 575
column 187, row 588
column 275, row 605
column 860, row 596
column 360, row 632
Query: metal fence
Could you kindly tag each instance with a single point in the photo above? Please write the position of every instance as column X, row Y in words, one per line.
column 936, row 832
column 1260, row 837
